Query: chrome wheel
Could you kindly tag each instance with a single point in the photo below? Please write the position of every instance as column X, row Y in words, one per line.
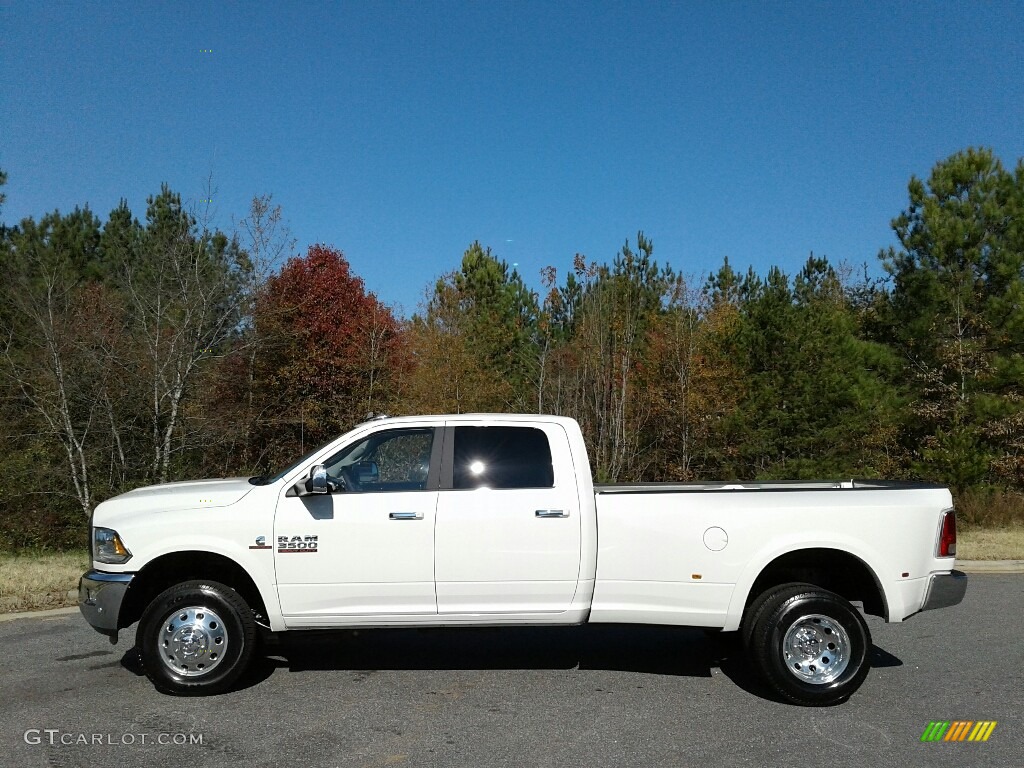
column 192, row 641
column 816, row 649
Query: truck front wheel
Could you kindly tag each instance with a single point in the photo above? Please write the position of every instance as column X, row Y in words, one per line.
column 196, row 637
column 810, row 645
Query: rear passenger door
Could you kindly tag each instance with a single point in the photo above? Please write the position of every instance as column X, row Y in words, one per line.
column 507, row 536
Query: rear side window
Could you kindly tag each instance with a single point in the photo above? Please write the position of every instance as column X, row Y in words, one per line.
column 502, row 457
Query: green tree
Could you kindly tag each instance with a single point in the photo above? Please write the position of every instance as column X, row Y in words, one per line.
column 122, row 237
column 447, row 374
column 488, row 307
column 818, row 400
column 68, row 243
column 956, row 314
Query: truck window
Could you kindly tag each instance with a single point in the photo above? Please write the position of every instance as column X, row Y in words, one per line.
column 395, row 460
column 502, row 457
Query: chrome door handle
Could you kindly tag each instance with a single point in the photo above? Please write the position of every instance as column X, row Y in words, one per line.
column 551, row 513
column 406, row 515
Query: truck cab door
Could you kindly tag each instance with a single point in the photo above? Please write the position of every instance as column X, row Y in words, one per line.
column 367, row 547
column 508, row 520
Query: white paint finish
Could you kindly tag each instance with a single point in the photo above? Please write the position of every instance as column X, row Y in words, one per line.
column 151, row 533
column 911, row 592
column 494, row 554
column 891, row 531
column 203, row 494
column 492, row 545
column 489, row 537
column 365, row 562
column 694, row 604
column 579, row 467
column 655, row 537
column 496, row 597
column 327, row 600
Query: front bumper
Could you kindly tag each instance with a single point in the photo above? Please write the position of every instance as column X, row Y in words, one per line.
column 99, row 598
column 945, row 590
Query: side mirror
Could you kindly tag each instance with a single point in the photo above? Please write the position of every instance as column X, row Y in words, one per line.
column 317, row 482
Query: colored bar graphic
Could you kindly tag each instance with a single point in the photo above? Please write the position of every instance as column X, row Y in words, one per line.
column 958, row 730
column 982, row 731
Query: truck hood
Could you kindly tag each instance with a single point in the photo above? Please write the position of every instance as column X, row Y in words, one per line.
column 191, row 494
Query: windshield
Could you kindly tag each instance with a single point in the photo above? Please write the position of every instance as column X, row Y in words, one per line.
column 269, row 478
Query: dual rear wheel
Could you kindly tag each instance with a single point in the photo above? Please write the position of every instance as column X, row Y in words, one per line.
column 811, row 646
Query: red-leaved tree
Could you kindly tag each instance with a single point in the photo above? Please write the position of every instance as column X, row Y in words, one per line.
column 329, row 355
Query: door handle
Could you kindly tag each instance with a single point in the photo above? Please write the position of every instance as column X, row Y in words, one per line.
column 551, row 513
column 406, row 515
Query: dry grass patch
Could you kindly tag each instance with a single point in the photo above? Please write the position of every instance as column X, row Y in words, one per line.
column 34, row 581
column 991, row 543
column 988, row 507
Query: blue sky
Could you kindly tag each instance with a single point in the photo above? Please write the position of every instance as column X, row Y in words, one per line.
column 401, row 132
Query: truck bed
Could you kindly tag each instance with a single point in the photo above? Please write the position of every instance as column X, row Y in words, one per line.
column 689, row 553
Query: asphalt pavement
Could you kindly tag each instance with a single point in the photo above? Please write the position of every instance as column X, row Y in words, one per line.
column 595, row 696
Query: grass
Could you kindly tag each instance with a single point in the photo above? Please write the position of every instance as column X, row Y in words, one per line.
column 32, row 581
column 991, row 543
column 991, row 522
column 988, row 507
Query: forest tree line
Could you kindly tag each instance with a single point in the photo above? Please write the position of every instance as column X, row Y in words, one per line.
column 136, row 351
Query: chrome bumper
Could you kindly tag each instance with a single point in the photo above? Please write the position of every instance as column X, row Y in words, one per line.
column 944, row 590
column 99, row 598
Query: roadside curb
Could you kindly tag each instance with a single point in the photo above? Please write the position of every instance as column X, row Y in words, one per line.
column 990, row 566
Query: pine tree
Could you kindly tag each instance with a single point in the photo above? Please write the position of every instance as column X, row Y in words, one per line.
column 957, row 317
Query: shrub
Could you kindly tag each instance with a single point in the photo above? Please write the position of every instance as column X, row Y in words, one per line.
column 988, row 507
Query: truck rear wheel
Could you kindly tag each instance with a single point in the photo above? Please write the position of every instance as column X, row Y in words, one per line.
column 756, row 609
column 810, row 645
column 196, row 637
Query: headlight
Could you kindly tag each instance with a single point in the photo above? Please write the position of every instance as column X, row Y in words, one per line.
column 107, row 547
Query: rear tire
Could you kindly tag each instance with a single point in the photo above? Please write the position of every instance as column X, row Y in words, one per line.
column 196, row 638
column 810, row 645
column 756, row 609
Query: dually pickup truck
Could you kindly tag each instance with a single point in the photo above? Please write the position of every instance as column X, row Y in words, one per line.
column 494, row 520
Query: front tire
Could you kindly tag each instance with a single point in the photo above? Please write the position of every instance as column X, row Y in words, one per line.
column 810, row 645
column 196, row 638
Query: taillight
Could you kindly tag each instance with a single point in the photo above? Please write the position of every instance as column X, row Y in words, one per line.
column 947, row 535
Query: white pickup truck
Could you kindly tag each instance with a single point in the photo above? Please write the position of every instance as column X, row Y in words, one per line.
column 480, row 519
